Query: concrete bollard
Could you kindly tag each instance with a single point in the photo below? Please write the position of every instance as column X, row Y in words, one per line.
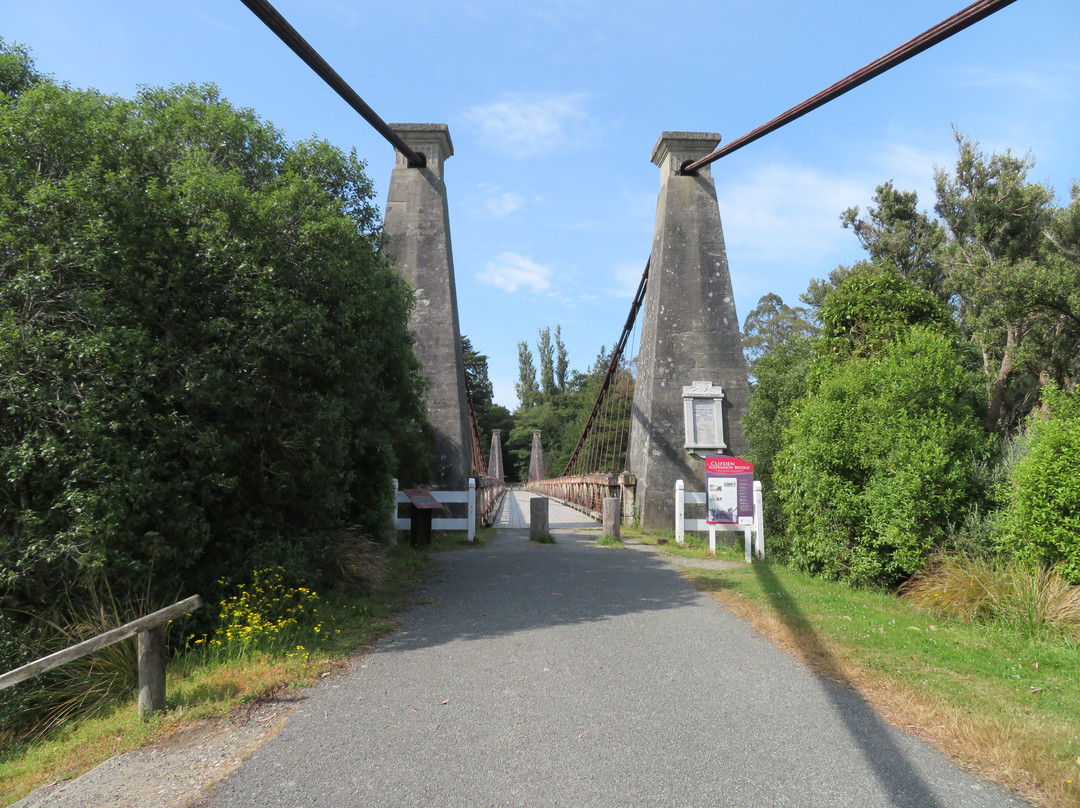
column 538, row 518
column 612, row 517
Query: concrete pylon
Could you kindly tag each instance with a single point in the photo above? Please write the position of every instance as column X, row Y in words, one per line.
column 417, row 224
column 536, row 459
column 690, row 343
column 495, row 464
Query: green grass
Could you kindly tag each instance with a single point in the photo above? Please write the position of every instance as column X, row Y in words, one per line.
column 610, row 541
column 999, row 699
column 546, row 539
column 202, row 684
column 693, row 546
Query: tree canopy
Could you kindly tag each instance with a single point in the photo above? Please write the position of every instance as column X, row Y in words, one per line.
column 205, row 364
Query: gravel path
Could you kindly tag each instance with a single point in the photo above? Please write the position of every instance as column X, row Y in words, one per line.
column 575, row 675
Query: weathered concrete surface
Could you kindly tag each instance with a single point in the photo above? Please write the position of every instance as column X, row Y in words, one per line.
column 690, row 331
column 417, row 223
column 495, row 459
column 538, row 518
column 537, row 470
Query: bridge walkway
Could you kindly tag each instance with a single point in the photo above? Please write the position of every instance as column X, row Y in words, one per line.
column 514, row 514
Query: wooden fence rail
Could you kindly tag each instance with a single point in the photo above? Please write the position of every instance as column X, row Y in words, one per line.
column 151, row 631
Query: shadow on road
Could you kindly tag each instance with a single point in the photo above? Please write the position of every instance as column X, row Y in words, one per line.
column 874, row 737
column 514, row 585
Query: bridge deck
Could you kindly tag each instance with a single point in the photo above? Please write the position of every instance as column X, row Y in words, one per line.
column 514, row 514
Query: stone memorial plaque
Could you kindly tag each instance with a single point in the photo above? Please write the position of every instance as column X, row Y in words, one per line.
column 704, row 416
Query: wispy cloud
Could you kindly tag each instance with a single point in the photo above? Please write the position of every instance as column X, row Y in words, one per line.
column 527, row 125
column 791, row 214
column 627, row 278
column 510, row 271
column 496, row 202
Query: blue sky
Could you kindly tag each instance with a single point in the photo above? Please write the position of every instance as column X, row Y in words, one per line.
column 554, row 107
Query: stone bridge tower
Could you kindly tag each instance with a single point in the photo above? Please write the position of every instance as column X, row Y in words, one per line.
column 692, row 385
column 417, row 223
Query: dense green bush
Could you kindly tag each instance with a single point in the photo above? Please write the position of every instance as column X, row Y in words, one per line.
column 879, row 457
column 1041, row 518
column 205, row 366
column 781, row 380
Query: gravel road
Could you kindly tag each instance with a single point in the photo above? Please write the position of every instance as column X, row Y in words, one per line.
column 576, row 675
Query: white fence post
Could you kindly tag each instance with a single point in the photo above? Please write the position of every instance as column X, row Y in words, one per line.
column 759, row 520
column 680, row 504
column 472, row 508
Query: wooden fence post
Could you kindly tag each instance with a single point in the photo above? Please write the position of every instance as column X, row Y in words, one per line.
column 151, row 670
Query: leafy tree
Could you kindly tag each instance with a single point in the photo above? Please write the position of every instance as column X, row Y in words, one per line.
column 546, row 352
column 771, row 324
column 528, row 392
column 879, row 453
column 562, row 364
column 897, row 234
column 1041, row 519
column 489, row 415
column 205, row 365
column 997, row 220
column 873, row 306
column 781, row 380
column 17, row 71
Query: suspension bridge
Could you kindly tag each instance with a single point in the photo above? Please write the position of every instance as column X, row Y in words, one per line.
column 657, row 416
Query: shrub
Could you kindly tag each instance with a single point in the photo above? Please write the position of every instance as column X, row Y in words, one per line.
column 1040, row 524
column 205, row 364
column 879, row 458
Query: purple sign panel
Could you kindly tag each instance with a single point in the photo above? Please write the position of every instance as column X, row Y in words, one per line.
column 729, row 484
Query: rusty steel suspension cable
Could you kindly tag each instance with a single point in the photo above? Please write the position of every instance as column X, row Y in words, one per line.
column 613, row 366
column 287, row 34
column 932, row 36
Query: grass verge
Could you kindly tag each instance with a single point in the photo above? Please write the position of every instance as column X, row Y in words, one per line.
column 998, row 700
column 199, row 687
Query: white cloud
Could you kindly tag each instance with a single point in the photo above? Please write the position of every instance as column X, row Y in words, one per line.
column 789, row 214
column 526, row 125
column 499, row 203
column 510, row 272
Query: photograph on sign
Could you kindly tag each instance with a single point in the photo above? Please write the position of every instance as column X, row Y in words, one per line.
column 723, row 500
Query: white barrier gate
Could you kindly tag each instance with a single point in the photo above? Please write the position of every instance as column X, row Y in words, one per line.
column 467, row 524
column 757, row 526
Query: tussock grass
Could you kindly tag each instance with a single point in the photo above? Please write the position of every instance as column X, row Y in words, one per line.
column 360, row 562
column 1031, row 599
column 85, row 686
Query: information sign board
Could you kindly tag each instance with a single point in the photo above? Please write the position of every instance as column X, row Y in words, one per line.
column 729, row 484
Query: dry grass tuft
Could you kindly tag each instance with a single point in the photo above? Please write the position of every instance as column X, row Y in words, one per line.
column 360, row 562
column 969, row 588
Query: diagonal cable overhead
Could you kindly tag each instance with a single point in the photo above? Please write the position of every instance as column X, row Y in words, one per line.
column 287, row 34
column 927, row 39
